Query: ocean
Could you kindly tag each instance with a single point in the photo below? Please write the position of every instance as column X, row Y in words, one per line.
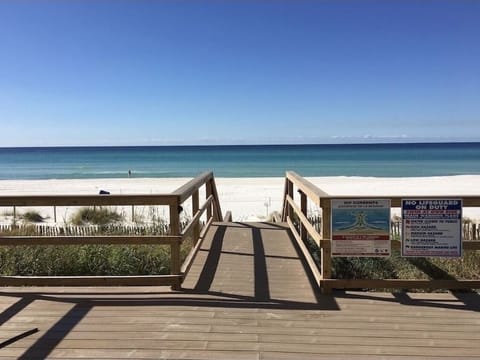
column 379, row 160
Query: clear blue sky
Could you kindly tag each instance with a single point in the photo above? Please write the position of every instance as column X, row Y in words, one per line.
column 180, row 72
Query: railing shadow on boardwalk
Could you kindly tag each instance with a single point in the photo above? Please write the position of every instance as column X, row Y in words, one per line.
column 85, row 302
column 469, row 301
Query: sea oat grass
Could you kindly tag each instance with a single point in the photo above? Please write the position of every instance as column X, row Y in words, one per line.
column 75, row 260
column 32, row 216
column 96, row 216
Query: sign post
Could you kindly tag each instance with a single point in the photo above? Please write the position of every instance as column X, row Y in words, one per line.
column 361, row 227
column 432, row 227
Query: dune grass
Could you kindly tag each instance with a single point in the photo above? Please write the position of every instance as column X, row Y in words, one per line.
column 89, row 260
column 95, row 216
column 32, row 216
column 397, row 267
column 85, row 260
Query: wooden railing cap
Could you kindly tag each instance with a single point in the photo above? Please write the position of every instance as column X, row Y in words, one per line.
column 186, row 190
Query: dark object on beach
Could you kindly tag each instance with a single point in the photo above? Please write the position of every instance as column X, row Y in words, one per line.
column 104, row 192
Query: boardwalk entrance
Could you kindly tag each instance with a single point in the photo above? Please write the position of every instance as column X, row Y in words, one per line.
column 255, row 262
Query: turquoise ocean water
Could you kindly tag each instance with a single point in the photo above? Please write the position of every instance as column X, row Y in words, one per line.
column 386, row 160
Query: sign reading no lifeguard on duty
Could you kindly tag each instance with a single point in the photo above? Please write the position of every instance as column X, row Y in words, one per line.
column 361, row 227
column 432, row 227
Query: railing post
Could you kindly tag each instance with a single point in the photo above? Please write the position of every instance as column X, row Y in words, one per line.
column 216, row 203
column 303, row 208
column 285, row 203
column 195, row 207
column 209, row 191
column 325, row 251
column 290, row 193
column 175, row 247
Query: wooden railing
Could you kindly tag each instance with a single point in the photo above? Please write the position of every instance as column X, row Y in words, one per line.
column 174, row 239
column 293, row 213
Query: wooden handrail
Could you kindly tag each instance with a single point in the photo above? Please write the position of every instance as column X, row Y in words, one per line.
column 90, row 240
column 187, row 264
column 322, row 199
column 173, row 200
column 187, row 190
column 313, row 192
column 306, row 254
column 310, row 228
column 131, row 280
column 88, row 200
column 196, row 217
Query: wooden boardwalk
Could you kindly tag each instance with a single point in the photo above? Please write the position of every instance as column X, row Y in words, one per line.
column 247, row 296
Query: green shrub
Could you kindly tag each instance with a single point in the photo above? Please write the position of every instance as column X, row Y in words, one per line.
column 32, row 216
column 85, row 260
column 77, row 260
column 397, row 267
column 96, row 216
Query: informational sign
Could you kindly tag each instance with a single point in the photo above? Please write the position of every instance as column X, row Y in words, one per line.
column 361, row 227
column 432, row 227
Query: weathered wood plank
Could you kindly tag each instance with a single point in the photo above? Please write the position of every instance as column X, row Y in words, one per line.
column 187, row 190
column 89, row 240
column 88, row 200
column 144, row 280
column 399, row 284
column 66, row 354
column 313, row 192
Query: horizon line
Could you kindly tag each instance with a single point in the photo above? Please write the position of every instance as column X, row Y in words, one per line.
column 413, row 142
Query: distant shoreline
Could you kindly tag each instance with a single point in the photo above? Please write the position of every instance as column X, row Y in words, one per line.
column 238, row 145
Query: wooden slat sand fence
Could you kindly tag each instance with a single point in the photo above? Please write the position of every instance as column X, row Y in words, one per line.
column 86, row 230
column 172, row 235
column 302, row 229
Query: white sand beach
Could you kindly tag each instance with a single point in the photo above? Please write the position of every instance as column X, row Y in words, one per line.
column 250, row 199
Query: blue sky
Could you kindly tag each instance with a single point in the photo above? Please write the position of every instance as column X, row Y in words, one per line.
column 234, row 72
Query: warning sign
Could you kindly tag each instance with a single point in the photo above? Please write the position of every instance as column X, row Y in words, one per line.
column 432, row 227
column 361, row 227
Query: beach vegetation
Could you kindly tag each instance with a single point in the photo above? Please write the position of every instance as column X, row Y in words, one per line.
column 397, row 267
column 8, row 213
column 96, row 216
column 88, row 260
column 32, row 216
column 75, row 260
